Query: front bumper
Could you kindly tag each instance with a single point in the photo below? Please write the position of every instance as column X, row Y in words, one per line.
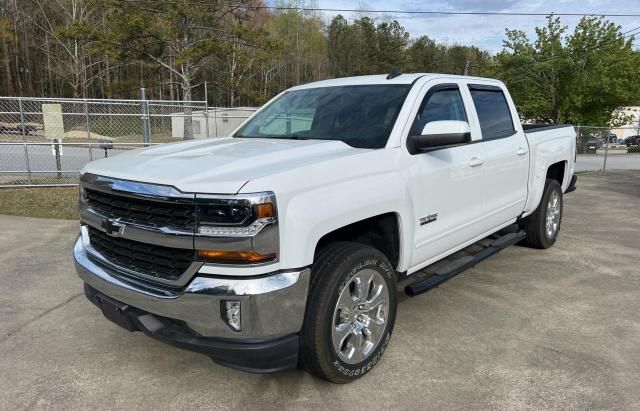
column 273, row 308
column 261, row 357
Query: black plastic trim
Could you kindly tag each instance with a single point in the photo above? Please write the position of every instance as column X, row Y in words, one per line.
column 256, row 356
column 484, row 87
column 412, row 142
column 458, row 266
column 572, row 186
column 534, row 128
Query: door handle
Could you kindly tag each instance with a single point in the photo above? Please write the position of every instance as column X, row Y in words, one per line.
column 521, row 151
column 475, row 162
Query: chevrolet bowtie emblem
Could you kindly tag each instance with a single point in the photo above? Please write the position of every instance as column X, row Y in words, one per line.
column 113, row 228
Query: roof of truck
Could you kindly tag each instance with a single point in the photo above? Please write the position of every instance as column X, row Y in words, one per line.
column 379, row 79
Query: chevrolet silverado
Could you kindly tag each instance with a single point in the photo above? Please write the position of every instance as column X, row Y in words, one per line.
column 285, row 244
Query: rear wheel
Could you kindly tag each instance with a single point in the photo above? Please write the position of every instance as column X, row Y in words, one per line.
column 350, row 313
column 543, row 226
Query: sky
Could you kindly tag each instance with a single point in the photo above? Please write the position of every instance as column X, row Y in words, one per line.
column 486, row 32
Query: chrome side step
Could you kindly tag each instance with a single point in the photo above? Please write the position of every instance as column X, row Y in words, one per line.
column 427, row 279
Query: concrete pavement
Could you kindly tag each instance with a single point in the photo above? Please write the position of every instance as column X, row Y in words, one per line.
column 41, row 157
column 525, row 329
column 615, row 162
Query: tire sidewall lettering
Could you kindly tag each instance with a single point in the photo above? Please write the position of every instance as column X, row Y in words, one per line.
column 360, row 370
column 363, row 368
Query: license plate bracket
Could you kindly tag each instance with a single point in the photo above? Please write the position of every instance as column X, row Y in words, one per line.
column 116, row 312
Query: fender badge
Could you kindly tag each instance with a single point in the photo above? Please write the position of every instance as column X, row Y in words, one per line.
column 429, row 218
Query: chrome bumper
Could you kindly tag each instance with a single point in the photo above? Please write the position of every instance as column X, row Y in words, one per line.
column 272, row 305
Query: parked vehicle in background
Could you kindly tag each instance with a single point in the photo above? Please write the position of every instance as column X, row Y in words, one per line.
column 632, row 141
column 19, row 128
column 283, row 245
column 593, row 145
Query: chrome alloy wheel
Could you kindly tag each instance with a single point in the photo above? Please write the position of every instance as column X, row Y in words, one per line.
column 553, row 215
column 360, row 316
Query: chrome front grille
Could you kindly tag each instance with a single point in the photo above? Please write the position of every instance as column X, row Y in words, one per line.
column 139, row 229
column 154, row 261
column 142, row 211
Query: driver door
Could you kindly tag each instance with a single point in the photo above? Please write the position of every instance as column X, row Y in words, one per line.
column 446, row 183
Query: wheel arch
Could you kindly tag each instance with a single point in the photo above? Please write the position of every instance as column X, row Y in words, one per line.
column 382, row 231
column 557, row 171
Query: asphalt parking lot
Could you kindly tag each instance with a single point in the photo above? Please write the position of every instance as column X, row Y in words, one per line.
column 558, row 328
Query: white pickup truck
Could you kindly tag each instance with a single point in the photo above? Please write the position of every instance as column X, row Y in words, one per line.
column 284, row 244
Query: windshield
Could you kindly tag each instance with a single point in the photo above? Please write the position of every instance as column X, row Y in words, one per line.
column 360, row 116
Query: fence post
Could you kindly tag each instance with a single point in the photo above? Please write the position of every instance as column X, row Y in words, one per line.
column 86, row 118
column 56, row 151
column 215, row 121
column 145, row 116
column 24, row 139
column 206, row 108
column 606, row 150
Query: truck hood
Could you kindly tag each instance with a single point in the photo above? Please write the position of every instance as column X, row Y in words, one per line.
column 217, row 166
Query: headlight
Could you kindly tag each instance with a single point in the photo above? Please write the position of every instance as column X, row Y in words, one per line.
column 239, row 229
column 224, row 214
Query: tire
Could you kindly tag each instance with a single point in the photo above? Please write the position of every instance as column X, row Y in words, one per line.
column 535, row 225
column 335, row 314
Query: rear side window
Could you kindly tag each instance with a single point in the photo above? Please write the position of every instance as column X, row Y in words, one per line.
column 493, row 112
column 442, row 104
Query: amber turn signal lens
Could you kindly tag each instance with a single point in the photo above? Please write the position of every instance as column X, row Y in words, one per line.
column 235, row 257
column 264, row 210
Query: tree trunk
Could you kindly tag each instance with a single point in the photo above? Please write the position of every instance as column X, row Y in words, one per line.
column 16, row 46
column 51, row 91
column 171, row 97
column 7, row 68
column 186, row 98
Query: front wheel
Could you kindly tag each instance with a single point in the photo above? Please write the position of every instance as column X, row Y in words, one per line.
column 350, row 313
column 543, row 226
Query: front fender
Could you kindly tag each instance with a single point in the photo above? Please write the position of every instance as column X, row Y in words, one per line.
column 313, row 214
column 321, row 197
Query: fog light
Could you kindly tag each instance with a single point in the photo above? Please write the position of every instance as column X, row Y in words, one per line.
column 231, row 314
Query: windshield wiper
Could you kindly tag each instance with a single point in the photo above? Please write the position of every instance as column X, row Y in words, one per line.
column 292, row 137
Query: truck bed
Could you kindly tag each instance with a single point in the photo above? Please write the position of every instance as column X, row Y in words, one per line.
column 534, row 128
column 548, row 144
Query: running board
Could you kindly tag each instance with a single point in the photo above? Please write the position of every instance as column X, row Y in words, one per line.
column 461, row 264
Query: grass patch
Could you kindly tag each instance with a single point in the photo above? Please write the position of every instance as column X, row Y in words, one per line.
column 43, row 202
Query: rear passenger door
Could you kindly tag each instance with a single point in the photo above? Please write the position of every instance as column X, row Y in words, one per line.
column 506, row 154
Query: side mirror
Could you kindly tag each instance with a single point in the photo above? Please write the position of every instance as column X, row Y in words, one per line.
column 439, row 134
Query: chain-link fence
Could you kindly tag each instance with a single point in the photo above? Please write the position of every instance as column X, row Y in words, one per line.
column 603, row 148
column 48, row 141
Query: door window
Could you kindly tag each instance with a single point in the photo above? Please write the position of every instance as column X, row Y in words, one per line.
column 493, row 112
column 445, row 103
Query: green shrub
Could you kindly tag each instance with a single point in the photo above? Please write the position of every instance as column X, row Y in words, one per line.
column 634, row 149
